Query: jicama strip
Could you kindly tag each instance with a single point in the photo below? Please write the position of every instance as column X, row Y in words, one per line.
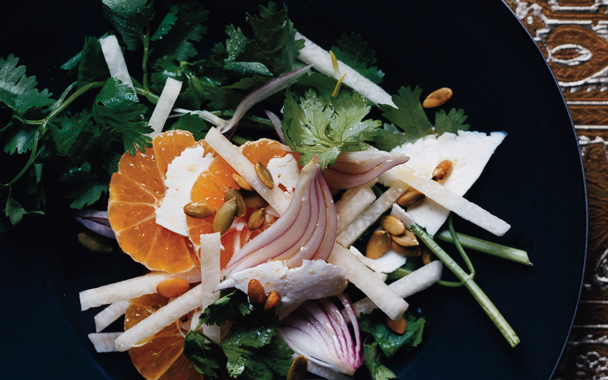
column 275, row 197
column 368, row 282
column 116, row 60
column 452, row 201
column 406, row 286
column 164, row 316
column 313, row 54
column 110, row 314
column 210, row 269
column 131, row 288
column 371, row 214
column 352, row 204
column 165, row 105
column 104, row 342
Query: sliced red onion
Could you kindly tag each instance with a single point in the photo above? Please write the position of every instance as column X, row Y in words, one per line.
column 319, row 331
column 353, row 169
column 96, row 221
column 306, row 231
column 262, row 93
column 276, row 123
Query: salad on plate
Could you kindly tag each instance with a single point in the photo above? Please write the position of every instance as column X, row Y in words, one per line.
column 285, row 205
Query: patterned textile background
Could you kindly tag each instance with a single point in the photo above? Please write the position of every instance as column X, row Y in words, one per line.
column 573, row 36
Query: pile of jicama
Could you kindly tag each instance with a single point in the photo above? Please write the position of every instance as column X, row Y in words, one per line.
column 316, row 257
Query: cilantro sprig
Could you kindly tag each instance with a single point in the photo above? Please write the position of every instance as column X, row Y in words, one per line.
column 322, row 126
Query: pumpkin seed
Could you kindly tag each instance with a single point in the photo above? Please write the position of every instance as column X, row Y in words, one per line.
column 377, row 244
column 410, row 197
column 427, row 256
column 298, row 368
column 413, row 251
column 254, row 200
column 399, row 326
column 224, row 216
column 442, row 171
column 241, row 207
column 198, row 210
column 93, row 243
column 241, row 182
column 437, row 98
column 256, row 220
column 256, row 293
column 406, row 239
column 392, row 225
column 272, row 301
column 264, row 175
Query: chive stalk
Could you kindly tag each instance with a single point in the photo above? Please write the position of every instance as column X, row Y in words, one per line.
column 508, row 253
column 483, row 300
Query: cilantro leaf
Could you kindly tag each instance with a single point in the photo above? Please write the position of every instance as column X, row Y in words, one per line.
column 387, row 340
column 73, row 136
column 14, row 211
column 354, row 51
column 324, row 128
column 18, row 91
column 23, row 140
column 202, row 356
column 373, row 362
column 182, row 27
column 192, row 123
column 86, row 194
column 231, row 307
column 117, row 108
column 130, row 18
column 409, row 114
column 166, row 24
column 389, row 137
column 451, row 122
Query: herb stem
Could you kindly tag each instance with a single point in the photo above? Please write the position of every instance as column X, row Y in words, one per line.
column 480, row 245
column 481, row 298
column 456, row 242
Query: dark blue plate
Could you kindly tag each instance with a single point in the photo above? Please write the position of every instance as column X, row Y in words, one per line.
column 534, row 181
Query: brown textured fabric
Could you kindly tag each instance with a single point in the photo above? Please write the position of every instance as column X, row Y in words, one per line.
column 573, row 37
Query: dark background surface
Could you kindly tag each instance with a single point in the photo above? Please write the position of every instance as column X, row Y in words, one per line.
column 476, row 48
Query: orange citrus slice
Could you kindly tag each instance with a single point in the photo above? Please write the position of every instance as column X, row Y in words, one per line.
column 137, row 190
column 161, row 357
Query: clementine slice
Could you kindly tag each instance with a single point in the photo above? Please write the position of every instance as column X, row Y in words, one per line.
column 211, row 186
column 136, row 192
column 161, row 357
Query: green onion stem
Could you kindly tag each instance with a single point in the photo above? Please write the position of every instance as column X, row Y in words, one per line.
column 483, row 300
column 456, row 242
column 508, row 253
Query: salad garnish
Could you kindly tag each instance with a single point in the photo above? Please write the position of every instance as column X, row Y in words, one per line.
column 216, row 165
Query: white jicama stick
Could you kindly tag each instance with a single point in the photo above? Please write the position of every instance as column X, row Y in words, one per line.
column 371, row 214
column 115, row 60
column 368, row 282
column 131, row 288
column 165, row 105
column 210, row 269
column 110, row 314
column 414, row 282
column 320, row 59
column 233, row 156
column 387, row 263
column 452, row 201
column 162, row 317
column 104, row 342
column 352, row 204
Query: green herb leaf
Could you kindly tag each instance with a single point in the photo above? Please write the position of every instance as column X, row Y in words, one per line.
column 18, row 91
column 373, row 362
column 192, row 123
column 130, row 18
column 231, row 307
column 166, row 24
column 201, row 355
column 451, row 122
column 388, row 341
column 117, row 108
column 354, row 51
column 22, row 141
column 409, row 114
column 181, row 28
column 92, row 66
column 389, row 138
column 321, row 127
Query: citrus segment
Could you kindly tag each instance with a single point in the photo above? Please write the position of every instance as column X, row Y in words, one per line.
column 136, row 192
column 160, row 357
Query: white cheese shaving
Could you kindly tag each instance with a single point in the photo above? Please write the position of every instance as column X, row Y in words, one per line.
column 182, row 173
column 284, row 171
column 314, row 279
column 469, row 153
column 386, row 263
